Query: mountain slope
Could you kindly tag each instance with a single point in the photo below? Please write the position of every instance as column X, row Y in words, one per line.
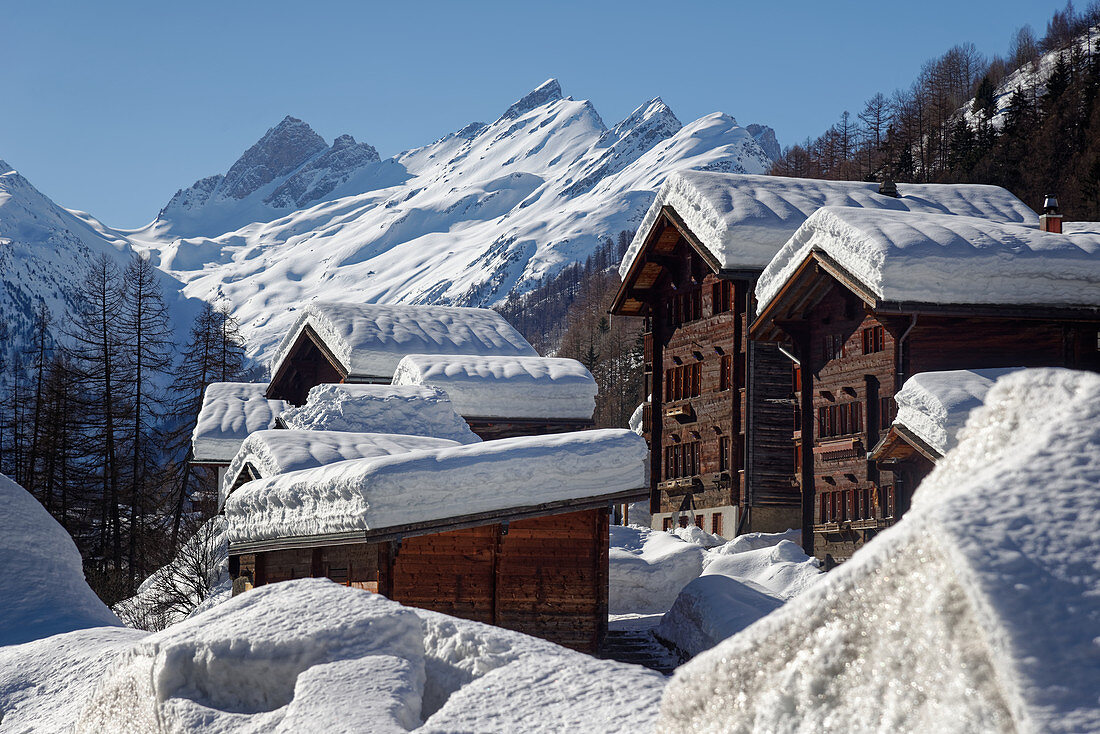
column 45, row 251
column 478, row 214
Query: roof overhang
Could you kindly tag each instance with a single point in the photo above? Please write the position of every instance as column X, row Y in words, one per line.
column 667, row 230
column 901, row 444
column 430, row 527
column 818, row 273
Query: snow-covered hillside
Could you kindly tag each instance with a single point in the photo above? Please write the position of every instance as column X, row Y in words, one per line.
column 45, row 251
column 466, row 220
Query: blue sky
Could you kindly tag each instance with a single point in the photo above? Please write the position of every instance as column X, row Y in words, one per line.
column 112, row 106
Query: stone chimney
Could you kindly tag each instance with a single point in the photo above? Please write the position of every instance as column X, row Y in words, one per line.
column 1050, row 220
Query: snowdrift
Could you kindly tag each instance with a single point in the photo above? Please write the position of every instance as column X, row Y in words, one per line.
column 42, row 585
column 230, row 412
column 977, row 612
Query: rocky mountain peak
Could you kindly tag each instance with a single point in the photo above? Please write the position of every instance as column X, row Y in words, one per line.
column 282, row 149
column 548, row 91
column 765, row 137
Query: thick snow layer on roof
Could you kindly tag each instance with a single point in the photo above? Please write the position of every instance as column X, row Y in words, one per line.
column 935, row 258
column 230, row 411
column 387, row 491
column 281, row 451
column 935, row 405
column 370, row 339
column 995, row 581
column 743, row 220
column 505, row 387
column 42, row 581
column 407, row 409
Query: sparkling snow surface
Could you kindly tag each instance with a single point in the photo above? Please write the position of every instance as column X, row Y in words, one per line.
column 369, row 494
column 407, row 409
column 370, row 339
column 935, row 405
column 934, row 258
column 281, row 451
column 505, row 387
column 230, row 412
column 42, row 585
column 978, row 611
column 743, row 220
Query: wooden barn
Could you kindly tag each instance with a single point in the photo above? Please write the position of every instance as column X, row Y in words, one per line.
column 866, row 299
column 720, row 416
column 362, row 343
column 230, row 412
column 511, row 532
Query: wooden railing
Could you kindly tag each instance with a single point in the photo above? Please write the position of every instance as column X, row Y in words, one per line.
column 647, row 351
column 855, row 505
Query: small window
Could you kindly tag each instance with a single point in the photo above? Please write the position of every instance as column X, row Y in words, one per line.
column 666, row 524
column 699, row 521
column 716, row 523
column 723, row 453
column 873, row 340
column 721, row 297
column 725, row 373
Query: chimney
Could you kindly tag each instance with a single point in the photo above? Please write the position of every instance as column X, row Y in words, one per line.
column 888, row 187
column 1051, row 219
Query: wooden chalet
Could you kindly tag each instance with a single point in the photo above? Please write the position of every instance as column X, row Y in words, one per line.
column 512, row 533
column 721, row 410
column 863, row 300
column 362, row 343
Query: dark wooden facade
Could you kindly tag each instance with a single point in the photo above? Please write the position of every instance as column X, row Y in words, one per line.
column 720, row 418
column 308, row 363
column 855, row 352
column 545, row 576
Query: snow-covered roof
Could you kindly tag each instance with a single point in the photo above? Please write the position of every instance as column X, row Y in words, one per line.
column 935, row 405
column 280, row 451
column 368, row 339
column 230, row 411
column 744, row 219
column 505, row 387
column 936, row 258
column 418, row 486
column 994, row 571
column 414, row 410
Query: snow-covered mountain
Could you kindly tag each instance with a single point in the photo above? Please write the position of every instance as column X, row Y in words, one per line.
column 45, row 251
column 478, row 214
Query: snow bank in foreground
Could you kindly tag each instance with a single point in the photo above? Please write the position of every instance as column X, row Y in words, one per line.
column 505, row 387
column 992, row 585
column 309, row 655
column 412, row 410
column 303, row 654
column 42, row 584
